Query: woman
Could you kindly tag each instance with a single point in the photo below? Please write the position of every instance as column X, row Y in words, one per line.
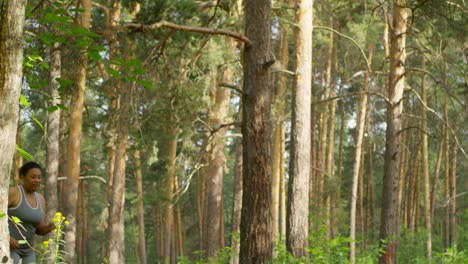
column 28, row 206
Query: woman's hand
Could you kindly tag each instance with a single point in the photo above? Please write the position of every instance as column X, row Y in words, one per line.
column 13, row 243
column 43, row 229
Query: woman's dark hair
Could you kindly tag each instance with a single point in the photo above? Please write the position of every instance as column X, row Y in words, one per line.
column 27, row 166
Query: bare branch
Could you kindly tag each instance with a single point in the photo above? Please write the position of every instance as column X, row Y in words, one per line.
column 203, row 30
column 351, row 39
column 445, row 123
column 231, row 86
column 351, row 94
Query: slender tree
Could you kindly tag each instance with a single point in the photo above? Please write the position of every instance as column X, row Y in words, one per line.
column 298, row 192
column 216, row 161
column 74, row 149
column 389, row 221
column 360, row 128
column 425, row 164
column 12, row 19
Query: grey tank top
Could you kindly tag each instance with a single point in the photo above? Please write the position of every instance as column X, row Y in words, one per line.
column 30, row 218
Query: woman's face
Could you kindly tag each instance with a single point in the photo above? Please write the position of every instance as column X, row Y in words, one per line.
column 32, row 180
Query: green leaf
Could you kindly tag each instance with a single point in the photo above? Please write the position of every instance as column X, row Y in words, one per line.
column 16, row 220
column 64, row 82
column 24, row 101
column 134, row 63
column 22, row 242
column 38, row 122
column 113, row 72
column 24, row 154
column 52, row 108
column 94, row 55
column 138, row 71
column 63, row 107
column 145, row 83
column 51, row 17
column 2, row 214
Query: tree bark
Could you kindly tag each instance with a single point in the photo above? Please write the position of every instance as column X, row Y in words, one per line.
column 53, row 134
column 389, row 221
column 237, row 204
column 446, row 176
column 453, row 196
column 168, row 207
column 360, row 128
column 215, row 171
column 298, row 192
column 425, row 166
column 18, row 159
column 256, row 244
column 12, row 19
column 76, row 121
column 140, row 207
column 279, row 107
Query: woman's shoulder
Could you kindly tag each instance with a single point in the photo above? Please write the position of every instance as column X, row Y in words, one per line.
column 13, row 196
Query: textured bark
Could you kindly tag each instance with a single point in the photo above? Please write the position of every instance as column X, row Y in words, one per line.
column 277, row 153
column 425, row 165
column 178, row 223
column 339, row 174
column 389, row 220
column 359, row 137
column 140, row 208
column 331, row 108
column 453, row 197
column 53, row 134
column 216, row 161
column 117, row 200
column 446, row 176
column 17, row 159
column 298, row 193
column 76, row 121
column 256, row 244
column 237, row 204
column 435, row 178
column 168, row 236
column 12, row 19
column 370, row 200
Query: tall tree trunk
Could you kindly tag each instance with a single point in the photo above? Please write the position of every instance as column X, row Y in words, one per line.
column 453, row 196
column 256, row 244
column 370, row 212
column 168, row 207
column 425, row 165
column 53, row 133
column 435, row 178
column 402, row 181
column 76, row 121
column 116, row 249
column 178, row 223
column 337, row 197
column 331, row 108
column 283, row 209
column 12, row 19
column 237, row 204
column 18, row 159
column 279, row 105
column 201, row 178
column 447, row 176
column 216, row 161
column 63, row 158
column 158, row 234
column 389, row 221
column 298, row 187
column 140, row 207
column 360, row 128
